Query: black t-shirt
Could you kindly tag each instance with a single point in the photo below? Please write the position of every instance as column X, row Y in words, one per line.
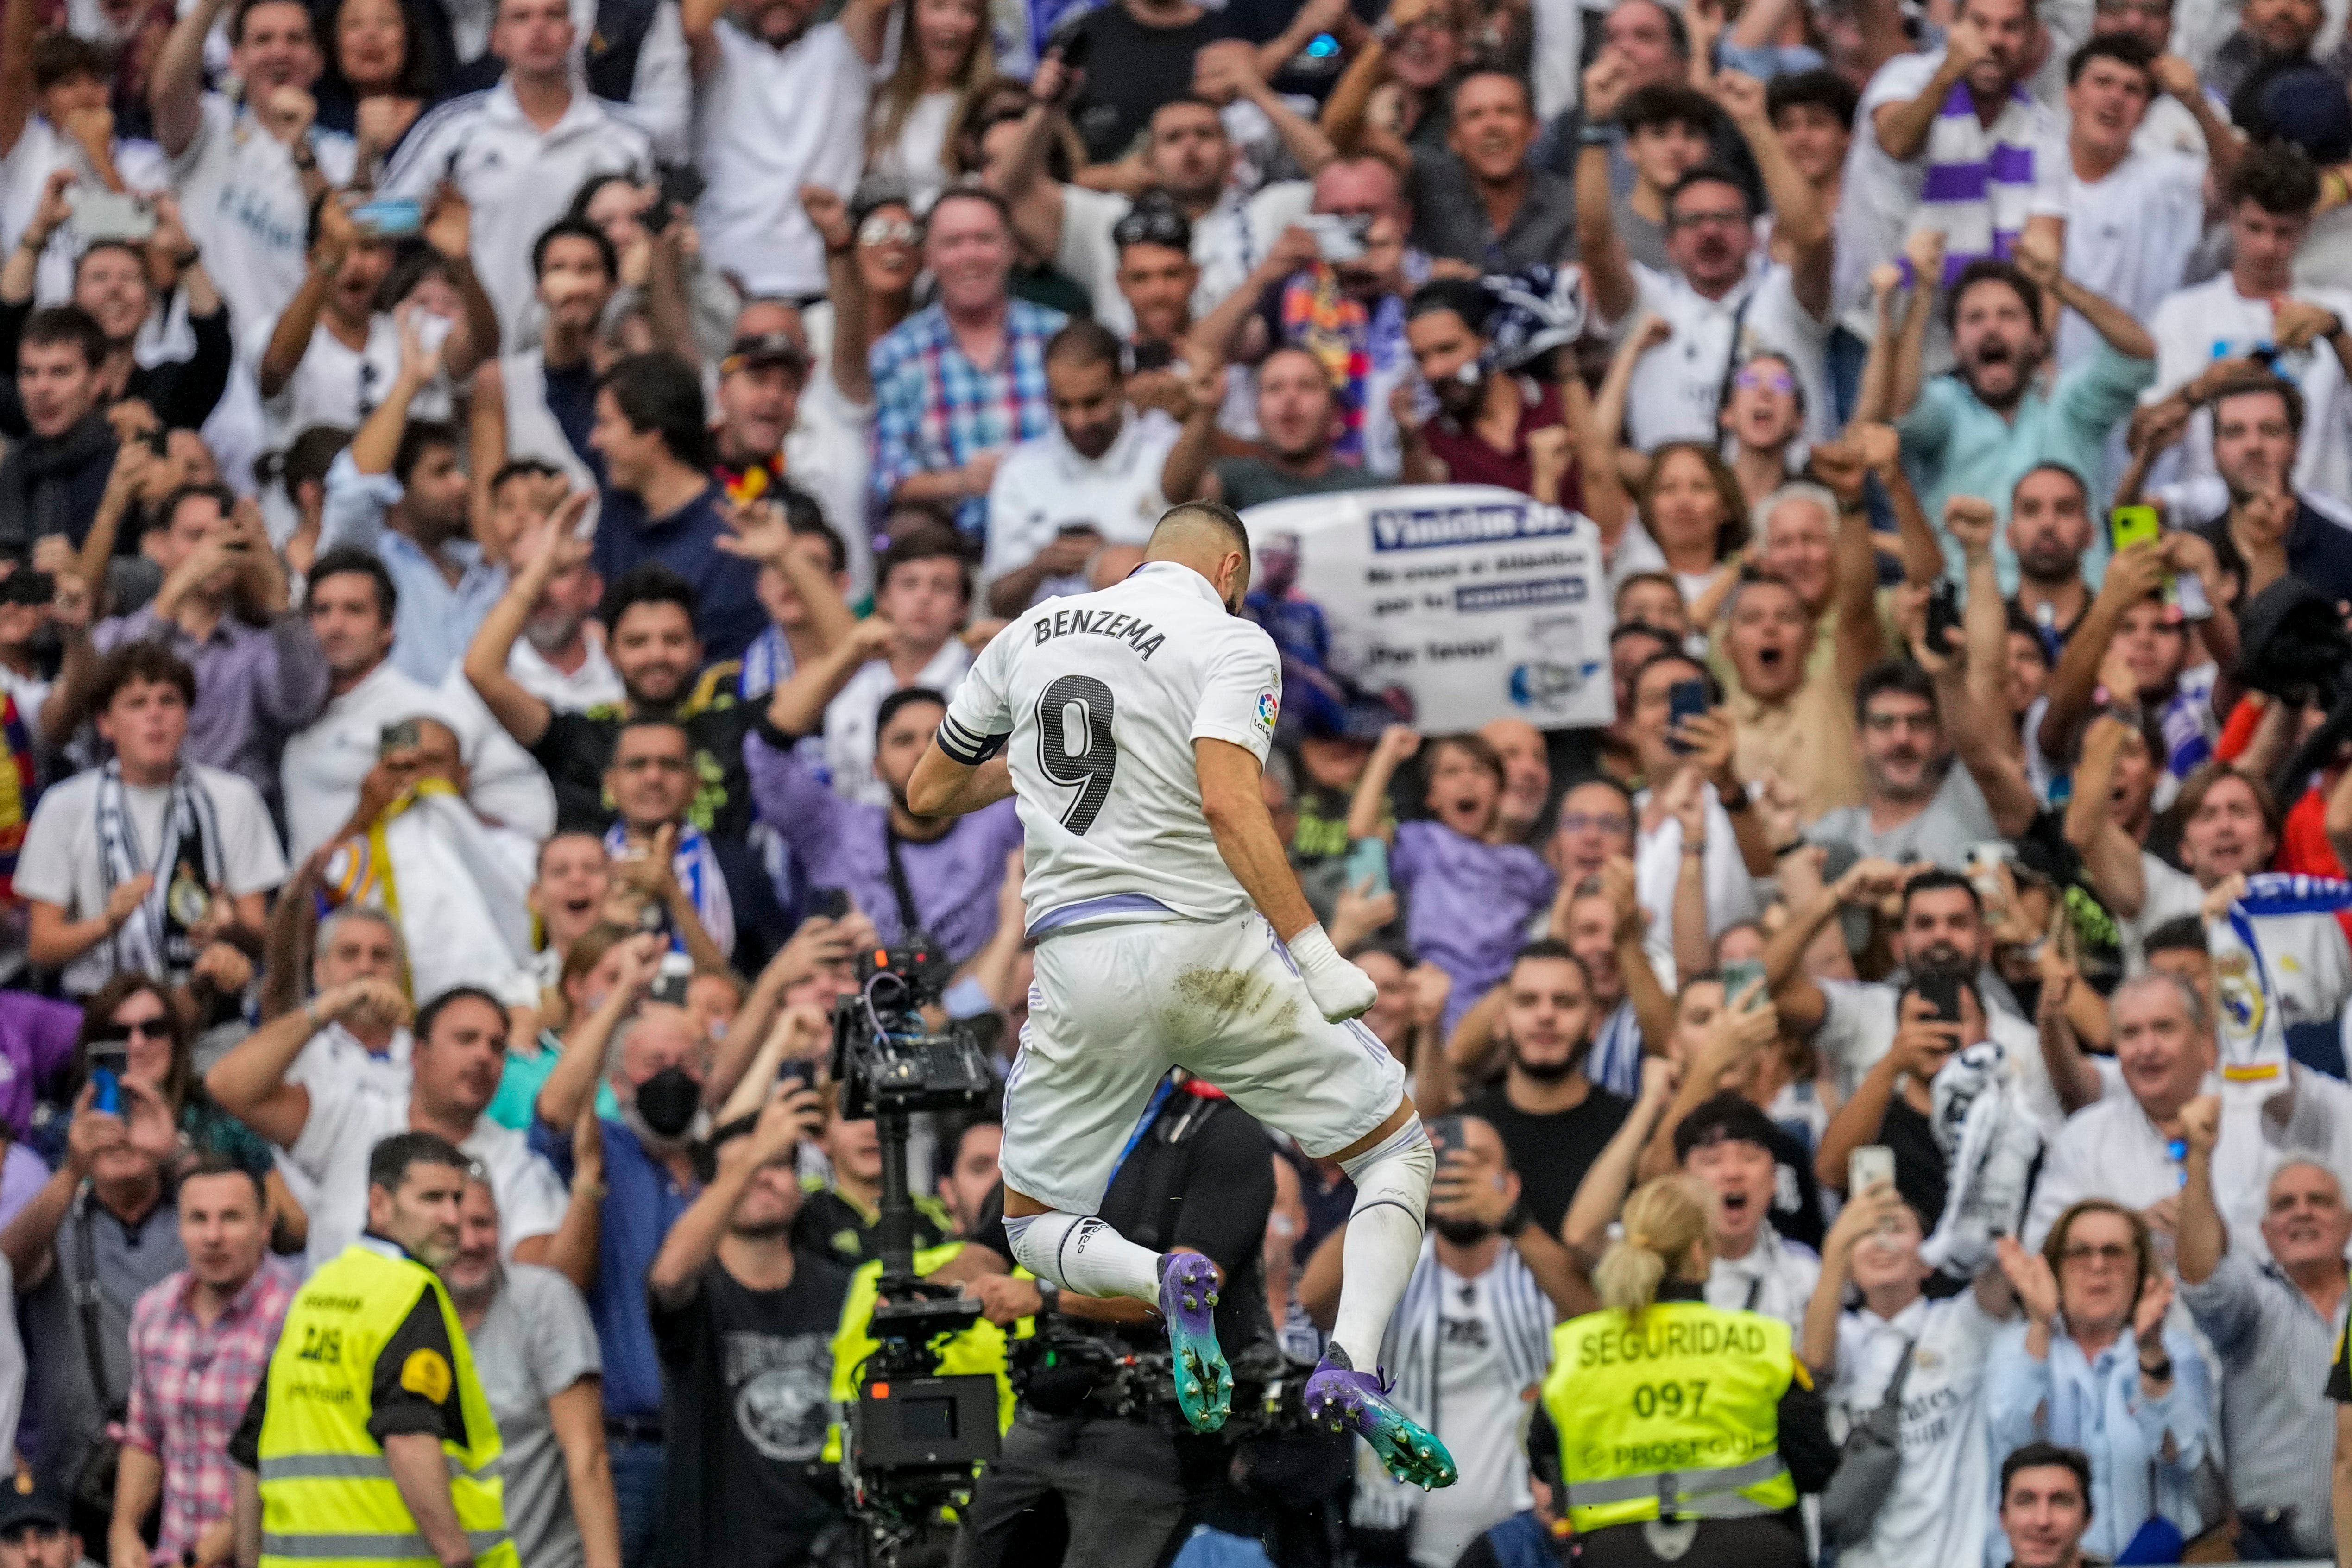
column 831, row 1224
column 1920, row 1173
column 1131, row 70
column 1552, row 1151
column 747, row 1381
column 578, row 746
column 1795, row 1195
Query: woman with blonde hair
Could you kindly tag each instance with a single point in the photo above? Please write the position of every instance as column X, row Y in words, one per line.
column 1686, row 1430
column 945, row 59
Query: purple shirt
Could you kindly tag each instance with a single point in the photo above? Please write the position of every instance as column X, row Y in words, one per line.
column 37, row 1038
column 846, row 844
column 255, row 686
column 1467, row 905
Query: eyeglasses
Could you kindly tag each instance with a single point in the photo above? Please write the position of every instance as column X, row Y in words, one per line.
column 1595, row 822
column 1773, row 381
column 2112, row 1254
column 145, row 1029
column 1720, row 219
column 879, row 228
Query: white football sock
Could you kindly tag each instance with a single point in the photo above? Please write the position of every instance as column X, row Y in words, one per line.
column 1383, row 1243
column 1080, row 1254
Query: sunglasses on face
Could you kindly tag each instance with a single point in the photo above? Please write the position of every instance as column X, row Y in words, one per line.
column 1153, row 225
column 882, row 229
column 145, row 1029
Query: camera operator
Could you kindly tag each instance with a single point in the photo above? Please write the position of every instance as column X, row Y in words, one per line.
column 1197, row 1178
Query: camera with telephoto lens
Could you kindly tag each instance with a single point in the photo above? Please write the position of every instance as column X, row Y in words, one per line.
column 914, row 1438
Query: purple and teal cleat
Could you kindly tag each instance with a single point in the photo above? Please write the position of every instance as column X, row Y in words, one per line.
column 1349, row 1400
column 1188, row 1298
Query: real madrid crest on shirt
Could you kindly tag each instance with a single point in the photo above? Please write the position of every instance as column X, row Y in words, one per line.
column 188, row 900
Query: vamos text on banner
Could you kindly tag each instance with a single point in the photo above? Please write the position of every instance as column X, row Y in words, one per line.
column 1478, row 601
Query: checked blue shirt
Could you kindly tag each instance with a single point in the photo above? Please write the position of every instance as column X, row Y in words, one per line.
column 935, row 409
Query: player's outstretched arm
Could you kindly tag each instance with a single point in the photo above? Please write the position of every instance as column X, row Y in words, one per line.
column 1235, row 807
column 942, row 787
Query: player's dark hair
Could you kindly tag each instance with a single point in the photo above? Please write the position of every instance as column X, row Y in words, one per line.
column 390, row 1161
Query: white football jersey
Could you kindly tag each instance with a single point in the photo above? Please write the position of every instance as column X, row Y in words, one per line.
column 1097, row 700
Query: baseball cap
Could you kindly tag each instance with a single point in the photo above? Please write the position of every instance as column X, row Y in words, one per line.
column 23, row 1503
column 2304, row 105
column 758, row 349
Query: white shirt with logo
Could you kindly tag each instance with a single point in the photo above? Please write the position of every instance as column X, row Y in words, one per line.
column 1940, row 1506
column 1045, row 484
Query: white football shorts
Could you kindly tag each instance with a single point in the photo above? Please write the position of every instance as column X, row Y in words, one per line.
column 1113, row 1008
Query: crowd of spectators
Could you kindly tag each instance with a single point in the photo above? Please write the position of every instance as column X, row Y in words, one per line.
column 498, row 496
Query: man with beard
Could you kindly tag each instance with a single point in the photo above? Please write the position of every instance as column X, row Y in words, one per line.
column 2276, row 525
column 1553, row 1120
column 2273, row 35
column 937, row 875
column 1977, row 429
column 1188, row 159
column 1092, row 480
column 743, row 1319
column 1721, row 309
column 326, row 1127
column 1917, row 805
column 1492, row 425
column 2049, row 532
column 399, row 490
column 657, row 652
column 2132, row 216
column 1298, row 422
column 1349, row 315
column 2258, row 304
column 1938, row 926
column 956, row 384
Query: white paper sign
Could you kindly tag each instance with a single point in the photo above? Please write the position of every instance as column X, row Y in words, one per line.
column 1480, row 602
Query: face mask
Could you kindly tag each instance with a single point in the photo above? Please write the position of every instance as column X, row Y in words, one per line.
column 668, row 1102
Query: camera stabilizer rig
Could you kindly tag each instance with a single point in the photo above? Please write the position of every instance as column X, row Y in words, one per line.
column 914, row 1438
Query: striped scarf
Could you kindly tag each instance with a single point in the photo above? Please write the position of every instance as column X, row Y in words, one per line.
column 1614, row 1061
column 767, row 664
column 696, row 866
column 2252, row 1034
column 1980, row 180
column 1522, row 1317
column 186, row 867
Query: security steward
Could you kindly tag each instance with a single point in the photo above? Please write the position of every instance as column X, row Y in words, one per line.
column 1685, row 1432
column 377, row 1446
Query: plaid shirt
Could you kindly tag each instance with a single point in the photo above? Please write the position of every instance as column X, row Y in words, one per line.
column 189, row 1386
column 936, row 411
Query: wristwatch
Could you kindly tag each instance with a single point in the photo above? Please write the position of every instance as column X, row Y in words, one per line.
column 2161, row 1372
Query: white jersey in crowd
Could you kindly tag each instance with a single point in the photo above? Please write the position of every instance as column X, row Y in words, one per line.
column 1100, row 697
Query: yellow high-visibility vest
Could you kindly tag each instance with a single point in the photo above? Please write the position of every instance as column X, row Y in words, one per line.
column 980, row 1348
column 328, row 1499
column 1675, row 1418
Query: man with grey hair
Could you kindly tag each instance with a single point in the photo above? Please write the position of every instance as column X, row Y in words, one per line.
column 2122, row 1146
column 2273, row 1322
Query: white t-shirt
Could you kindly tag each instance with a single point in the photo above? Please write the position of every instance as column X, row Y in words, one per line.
column 592, row 683
column 1228, row 242
column 829, row 451
column 1776, row 1278
column 1940, row 1505
column 243, row 201
column 2194, row 327
column 1658, row 870
column 347, row 1121
column 1046, row 483
column 24, row 173
column 61, row 864
column 518, row 178
column 1481, row 1419
column 768, row 121
column 1857, row 1029
column 335, row 385
column 1678, row 386
column 917, row 159
column 850, row 718
column 2128, row 238
column 322, row 768
column 1102, row 696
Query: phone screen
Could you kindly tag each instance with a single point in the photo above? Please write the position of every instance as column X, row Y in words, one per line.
column 1941, row 992
column 1685, row 699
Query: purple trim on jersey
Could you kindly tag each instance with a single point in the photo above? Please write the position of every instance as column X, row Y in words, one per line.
column 1069, row 914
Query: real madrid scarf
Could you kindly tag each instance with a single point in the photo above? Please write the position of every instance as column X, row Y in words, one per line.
column 156, row 939
column 2252, row 1035
column 697, row 867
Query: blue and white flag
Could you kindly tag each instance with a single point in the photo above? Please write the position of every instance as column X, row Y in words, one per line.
column 2251, row 1029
